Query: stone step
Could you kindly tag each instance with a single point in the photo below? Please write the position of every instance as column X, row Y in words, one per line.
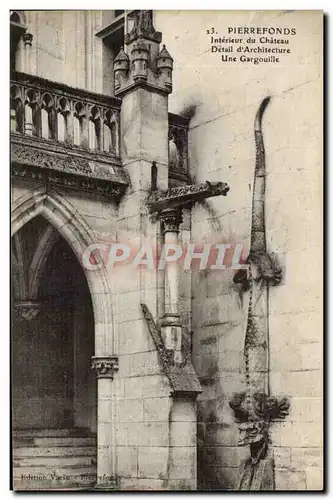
column 54, row 461
column 73, row 471
column 55, row 451
column 54, row 441
column 29, row 433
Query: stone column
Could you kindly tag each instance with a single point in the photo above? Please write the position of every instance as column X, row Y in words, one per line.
column 27, row 39
column 171, row 325
column 106, row 367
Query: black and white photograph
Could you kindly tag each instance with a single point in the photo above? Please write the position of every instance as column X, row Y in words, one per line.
column 166, row 198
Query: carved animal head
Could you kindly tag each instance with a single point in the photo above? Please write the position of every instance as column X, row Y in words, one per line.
column 264, row 267
column 253, row 432
column 218, row 188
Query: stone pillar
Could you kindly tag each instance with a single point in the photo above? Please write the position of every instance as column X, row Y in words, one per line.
column 106, row 367
column 143, row 80
column 171, row 324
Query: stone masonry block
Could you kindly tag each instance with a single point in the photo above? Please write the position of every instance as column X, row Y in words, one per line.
column 144, row 363
column 183, row 462
column 183, row 410
column 289, row 480
column 153, row 462
column 144, row 484
column 308, row 409
column 183, row 433
column 282, row 457
column 130, row 410
column 314, row 480
column 295, row 435
column 307, row 458
column 297, row 384
column 156, row 409
column 134, row 337
column 127, row 461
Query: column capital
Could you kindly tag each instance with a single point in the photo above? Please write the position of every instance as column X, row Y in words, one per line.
column 171, row 219
column 105, row 366
column 27, row 38
column 27, row 309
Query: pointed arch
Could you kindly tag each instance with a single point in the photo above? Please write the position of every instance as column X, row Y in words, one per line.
column 20, row 268
column 61, row 214
column 43, row 249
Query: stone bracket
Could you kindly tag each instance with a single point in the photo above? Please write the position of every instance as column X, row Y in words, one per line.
column 178, row 197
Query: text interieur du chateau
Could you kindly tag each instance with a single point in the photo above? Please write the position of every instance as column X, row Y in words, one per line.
column 259, row 45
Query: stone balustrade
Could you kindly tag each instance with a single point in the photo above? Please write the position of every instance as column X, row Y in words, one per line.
column 53, row 111
column 49, row 120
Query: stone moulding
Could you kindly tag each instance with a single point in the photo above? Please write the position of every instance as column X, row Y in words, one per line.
column 55, row 165
column 182, row 378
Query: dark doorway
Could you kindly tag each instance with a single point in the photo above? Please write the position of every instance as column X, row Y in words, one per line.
column 53, row 385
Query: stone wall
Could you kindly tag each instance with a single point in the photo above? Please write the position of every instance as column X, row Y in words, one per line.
column 226, row 98
column 65, row 49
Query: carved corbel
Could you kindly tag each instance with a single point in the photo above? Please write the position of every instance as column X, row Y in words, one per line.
column 27, row 309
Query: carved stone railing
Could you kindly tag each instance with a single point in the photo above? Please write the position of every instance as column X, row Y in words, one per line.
column 50, row 110
column 178, row 149
column 56, row 127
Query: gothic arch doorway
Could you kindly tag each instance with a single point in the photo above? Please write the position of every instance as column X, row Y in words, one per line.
column 52, row 333
column 66, row 300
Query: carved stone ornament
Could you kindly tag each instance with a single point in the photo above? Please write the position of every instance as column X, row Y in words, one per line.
column 253, row 408
column 27, row 309
column 265, row 267
column 179, row 196
column 105, row 366
column 65, row 171
column 143, row 27
column 171, row 220
column 27, row 39
column 255, row 420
